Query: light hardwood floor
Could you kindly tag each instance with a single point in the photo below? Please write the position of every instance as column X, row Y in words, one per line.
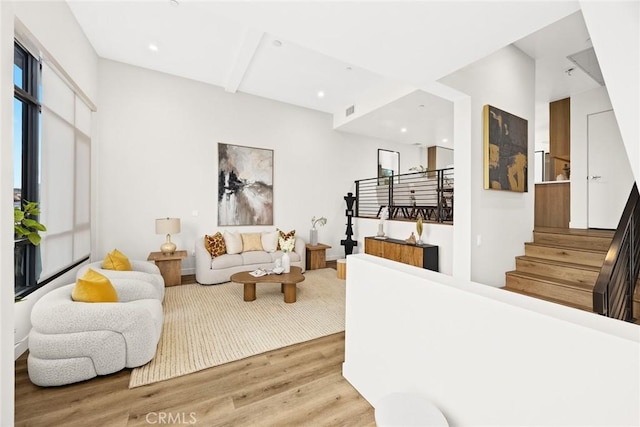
column 301, row 385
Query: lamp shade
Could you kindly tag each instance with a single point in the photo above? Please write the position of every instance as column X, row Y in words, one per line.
column 167, row 225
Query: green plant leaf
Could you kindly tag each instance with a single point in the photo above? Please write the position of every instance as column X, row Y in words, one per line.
column 18, row 215
column 34, row 238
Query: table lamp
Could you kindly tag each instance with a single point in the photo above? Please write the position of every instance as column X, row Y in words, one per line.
column 168, row 226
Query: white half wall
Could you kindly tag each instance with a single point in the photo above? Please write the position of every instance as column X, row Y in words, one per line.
column 485, row 356
column 151, row 122
column 500, row 221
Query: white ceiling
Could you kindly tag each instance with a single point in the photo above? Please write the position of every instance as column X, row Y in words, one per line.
column 357, row 53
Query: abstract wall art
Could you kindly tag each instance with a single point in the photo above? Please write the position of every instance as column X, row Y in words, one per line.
column 245, row 185
column 505, row 151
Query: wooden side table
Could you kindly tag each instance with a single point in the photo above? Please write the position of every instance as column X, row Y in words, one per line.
column 170, row 266
column 317, row 256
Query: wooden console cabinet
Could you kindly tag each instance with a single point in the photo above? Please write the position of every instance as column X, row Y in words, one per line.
column 424, row 256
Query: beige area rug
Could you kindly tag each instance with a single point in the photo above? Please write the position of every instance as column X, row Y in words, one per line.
column 206, row 326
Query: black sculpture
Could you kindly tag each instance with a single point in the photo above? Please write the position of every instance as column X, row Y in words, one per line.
column 349, row 243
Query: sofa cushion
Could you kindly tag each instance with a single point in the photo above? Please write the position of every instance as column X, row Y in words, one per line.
column 116, row 260
column 255, row 257
column 215, row 244
column 233, row 241
column 270, row 241
column 94, row 287
column 285, row 236
column 251, row 242
column 226, row 261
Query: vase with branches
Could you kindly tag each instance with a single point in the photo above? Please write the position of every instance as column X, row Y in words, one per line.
column 313, row 233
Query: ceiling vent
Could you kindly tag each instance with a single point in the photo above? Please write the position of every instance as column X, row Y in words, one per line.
column 587, row 61
column 351, row 110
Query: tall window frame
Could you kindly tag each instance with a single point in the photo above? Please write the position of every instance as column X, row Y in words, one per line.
column 27, row 73
column 53, row 168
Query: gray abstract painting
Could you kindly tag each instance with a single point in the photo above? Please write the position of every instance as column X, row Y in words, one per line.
column 245, row 185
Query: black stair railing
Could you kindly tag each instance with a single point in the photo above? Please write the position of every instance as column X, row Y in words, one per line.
column 613, row 292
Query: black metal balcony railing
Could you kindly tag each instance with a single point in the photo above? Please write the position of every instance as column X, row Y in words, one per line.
column 613, row 292
column 408, row 196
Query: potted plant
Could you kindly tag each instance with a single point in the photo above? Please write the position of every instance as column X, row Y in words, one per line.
column 25, row 224
column 26, row 229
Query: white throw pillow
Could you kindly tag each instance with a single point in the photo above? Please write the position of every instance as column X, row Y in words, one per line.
column 270, row 241
column 233, row 242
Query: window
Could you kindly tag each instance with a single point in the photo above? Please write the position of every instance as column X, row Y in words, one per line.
column 26, row 118
column 52, row 159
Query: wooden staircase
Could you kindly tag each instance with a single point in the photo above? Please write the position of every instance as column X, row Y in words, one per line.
column 561, row 265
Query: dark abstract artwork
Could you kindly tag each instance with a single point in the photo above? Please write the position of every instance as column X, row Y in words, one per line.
column 245, row 185
column 505, row 151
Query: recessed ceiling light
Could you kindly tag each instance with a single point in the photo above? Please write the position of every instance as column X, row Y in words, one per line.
column 174, row 3
column 153, row 47
column 320, row 94
column 445, row 140
column 276, row 43
column 403, row 130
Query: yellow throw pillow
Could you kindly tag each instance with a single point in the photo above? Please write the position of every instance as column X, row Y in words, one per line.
column 215, row 244
column 252, row 242
column 94, row 287
column 116, row 260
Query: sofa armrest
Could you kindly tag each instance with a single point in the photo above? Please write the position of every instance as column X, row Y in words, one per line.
column 301, row 249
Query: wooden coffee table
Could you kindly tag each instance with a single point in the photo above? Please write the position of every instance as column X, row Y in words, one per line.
column 287, row 280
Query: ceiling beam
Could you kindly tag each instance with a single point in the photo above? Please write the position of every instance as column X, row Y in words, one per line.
column 245, row 54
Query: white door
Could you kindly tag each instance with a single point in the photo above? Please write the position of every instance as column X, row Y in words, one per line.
column 609, row 174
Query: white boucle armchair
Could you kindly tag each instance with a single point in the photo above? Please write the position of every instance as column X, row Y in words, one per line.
column 75, row 341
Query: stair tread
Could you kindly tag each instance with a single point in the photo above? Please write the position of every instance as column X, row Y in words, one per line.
column 552, row 280
column 572, row 248
column 560, row 263
column 589, row 232
column 549, row 299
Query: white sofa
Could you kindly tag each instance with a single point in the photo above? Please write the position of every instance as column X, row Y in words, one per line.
column 74, row 341
column 219, row 270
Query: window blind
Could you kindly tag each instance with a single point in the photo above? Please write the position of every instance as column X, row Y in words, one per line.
column 65, row 175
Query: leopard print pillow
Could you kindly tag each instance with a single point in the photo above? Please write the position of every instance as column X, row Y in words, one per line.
column 285, row 236
column 215, row 244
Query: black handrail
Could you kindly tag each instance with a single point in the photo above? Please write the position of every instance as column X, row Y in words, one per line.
column 613, row 292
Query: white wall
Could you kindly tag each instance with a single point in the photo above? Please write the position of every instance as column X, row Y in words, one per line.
column 151, row 121
column 6, row 212
column 55, row 27
column 484, row 356
column 501, row 220
column 614, row 27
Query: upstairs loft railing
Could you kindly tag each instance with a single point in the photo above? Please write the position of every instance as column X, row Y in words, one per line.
column 408, row 196
column 613, row 292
